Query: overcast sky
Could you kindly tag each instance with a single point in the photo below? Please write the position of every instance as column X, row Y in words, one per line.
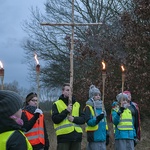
column 12, row 15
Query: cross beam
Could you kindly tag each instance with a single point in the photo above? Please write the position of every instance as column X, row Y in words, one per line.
column 72, row 24
column 69, row 24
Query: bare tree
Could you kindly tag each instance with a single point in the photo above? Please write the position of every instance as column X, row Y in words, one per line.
column 110, row 41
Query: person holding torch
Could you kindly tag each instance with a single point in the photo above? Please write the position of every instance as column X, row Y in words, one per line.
column 97, row 128
column 123, row 121
column 67, row 117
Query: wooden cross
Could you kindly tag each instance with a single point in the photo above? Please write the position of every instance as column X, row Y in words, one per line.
column 72, row 24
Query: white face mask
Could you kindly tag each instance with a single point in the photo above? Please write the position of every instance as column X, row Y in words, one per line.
column 125, row 105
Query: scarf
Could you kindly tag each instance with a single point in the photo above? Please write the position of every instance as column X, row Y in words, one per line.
column 96, row 104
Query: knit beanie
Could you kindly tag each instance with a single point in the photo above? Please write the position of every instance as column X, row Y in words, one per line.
column 30, row 96
column 127, row 92
column 10, row 103
column 121, row 96
column 93, row 91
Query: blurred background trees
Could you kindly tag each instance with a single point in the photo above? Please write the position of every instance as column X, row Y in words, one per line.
column 123, row 38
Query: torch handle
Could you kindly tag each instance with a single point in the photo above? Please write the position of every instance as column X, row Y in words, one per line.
column 103, row 79
column 38, row 88
column 2, row 83
column 123, row 79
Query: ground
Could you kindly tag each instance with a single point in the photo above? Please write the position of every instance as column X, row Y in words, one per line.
column 144, row 144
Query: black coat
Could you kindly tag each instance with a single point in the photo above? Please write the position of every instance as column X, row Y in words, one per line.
column 13, row 143
column 59, row 117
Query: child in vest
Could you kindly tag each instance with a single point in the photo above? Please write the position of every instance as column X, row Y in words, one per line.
column 123, row 121
column 136, row 116
column 11, row 135
column 97, row 129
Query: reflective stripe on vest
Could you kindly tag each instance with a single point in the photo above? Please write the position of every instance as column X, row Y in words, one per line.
column 94, row 128
column 125, row 121
column 66, row 126
column 6, row 135
column 89, row 128
column 36, row 134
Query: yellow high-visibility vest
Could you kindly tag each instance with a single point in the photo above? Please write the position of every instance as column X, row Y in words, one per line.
column 125, row 120
column 6, row 135
column 66, row 126
column 94, row 128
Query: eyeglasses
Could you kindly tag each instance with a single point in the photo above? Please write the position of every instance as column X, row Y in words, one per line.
column 34, row 100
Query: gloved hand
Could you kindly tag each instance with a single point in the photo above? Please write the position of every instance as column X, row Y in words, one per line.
column 107, row 139
column 121, row 109
column 39, row 111
column 99, row 117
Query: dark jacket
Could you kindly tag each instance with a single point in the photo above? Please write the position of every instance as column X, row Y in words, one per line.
column 59, row 117
column 136, row 117
column 28, row 124
column 16, row 138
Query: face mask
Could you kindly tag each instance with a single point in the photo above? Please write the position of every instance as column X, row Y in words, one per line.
column 125, row 105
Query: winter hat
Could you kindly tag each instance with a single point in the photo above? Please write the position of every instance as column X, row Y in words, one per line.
column 93, row 91
column 30, row 96
column 115, row 103
column 127, row 92
column 121, row 96
column 10, row 103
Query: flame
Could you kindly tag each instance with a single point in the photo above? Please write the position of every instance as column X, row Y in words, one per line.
column 104, row 66
column 122, row 68
column 36, row 59
column 1, row 65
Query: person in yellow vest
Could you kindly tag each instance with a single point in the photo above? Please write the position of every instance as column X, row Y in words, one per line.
column 123, row 121
column 34, row 123
column 136, row 116
column 11, row 135
column 96, row 128
column 67, row 119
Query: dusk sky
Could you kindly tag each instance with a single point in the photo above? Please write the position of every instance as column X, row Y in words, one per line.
column 12, row 15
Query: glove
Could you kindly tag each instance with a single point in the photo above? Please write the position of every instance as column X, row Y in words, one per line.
column 39, row 111
column 107, row 139
column 121, row 109
column 99, row 117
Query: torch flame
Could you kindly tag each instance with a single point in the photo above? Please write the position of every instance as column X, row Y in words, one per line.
column 104, row 66
column 122, row 68
column 1, row 65
column 36, row 59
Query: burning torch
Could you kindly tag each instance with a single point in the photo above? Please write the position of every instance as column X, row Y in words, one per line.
column 103, row 80
column 37, row 75
column 123, row 79
column 2, row 75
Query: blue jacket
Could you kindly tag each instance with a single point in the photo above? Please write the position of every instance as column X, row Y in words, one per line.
column 101, row 132
column 121, row 134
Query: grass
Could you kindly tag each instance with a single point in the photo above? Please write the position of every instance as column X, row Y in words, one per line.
column 144, row 144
